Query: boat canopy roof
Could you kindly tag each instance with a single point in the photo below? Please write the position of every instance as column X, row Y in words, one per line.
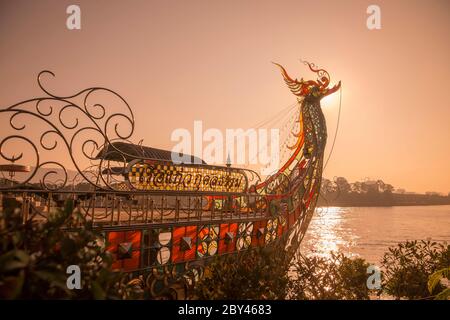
column 120, row 151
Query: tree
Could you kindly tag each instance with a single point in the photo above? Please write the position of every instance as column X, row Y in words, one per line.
column 388, row 188
column 356, row 187
column 342, row 185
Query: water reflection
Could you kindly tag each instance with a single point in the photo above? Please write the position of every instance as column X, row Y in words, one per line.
column 327, row 232
column 368, row 232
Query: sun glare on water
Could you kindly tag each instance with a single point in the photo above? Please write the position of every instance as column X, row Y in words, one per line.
column 326, row 233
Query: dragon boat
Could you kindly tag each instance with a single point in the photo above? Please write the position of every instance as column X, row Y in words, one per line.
column 161, row 220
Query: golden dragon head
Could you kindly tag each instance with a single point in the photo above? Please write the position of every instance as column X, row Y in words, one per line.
column 310, row 89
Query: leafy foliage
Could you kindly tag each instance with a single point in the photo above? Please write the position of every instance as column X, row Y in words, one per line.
column 336, row 277
column 268, row 274
column 408, row 266
column 255, row 274
column 436, row 279
column 34, row 256
column 412, row 270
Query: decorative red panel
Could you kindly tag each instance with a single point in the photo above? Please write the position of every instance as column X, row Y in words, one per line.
column 115, row 238
column 279, row 229
column 224, row 245
column 178, row 254
column 257, row 238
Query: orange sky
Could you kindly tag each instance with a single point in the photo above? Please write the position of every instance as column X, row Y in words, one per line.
column 180, row 61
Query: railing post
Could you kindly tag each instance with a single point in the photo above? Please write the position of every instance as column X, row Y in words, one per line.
column 49, row 202
column 105, row 203
column 25, row 208
column 211, row 213
column 146, row 209
column 119, row 210
column 94, row 203
column 189, row 208
column 177, row 209
column 113, row 207
column 235, row 209
column 255, row 210
column 130, row 206
column 151, row 209
column 162, row 208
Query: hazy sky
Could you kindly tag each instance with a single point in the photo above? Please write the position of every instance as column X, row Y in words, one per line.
column 180, row 61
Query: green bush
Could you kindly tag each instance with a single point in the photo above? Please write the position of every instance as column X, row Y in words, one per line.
column 255, row 274
column 411, row 270
column 268, row 274
column 34, row 257
column 336, row 277
column 408, row 266
column 436, row 279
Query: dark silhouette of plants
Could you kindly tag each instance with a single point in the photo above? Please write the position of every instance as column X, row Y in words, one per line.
column 408, row 266
column 435, row 279
column 34, row 256
column 255, row 274
column 268, row 274
column 331, row 278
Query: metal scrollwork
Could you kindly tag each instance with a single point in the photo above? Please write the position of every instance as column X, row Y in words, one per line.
column 81, row 131
column 75, row 125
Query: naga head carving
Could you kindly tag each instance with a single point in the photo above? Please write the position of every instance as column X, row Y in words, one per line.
column 310, row 89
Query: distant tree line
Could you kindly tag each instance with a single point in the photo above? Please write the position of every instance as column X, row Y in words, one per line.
column 340, row 192
column 336, row 192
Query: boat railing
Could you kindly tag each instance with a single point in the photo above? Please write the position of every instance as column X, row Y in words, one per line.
column 105, row 209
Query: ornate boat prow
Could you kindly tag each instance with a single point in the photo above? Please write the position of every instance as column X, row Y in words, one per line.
column 162, row 219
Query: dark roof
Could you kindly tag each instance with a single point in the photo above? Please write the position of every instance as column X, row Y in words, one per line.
column 131, row 151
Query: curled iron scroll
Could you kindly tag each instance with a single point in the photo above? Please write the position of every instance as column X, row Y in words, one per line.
column 73, row 124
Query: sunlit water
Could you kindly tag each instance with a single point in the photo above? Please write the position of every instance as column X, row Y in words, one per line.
column 368, row 232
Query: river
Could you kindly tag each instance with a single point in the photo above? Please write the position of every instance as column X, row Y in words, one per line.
column 367, row 232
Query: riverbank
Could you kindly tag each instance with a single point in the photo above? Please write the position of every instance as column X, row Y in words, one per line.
column 380, row 200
